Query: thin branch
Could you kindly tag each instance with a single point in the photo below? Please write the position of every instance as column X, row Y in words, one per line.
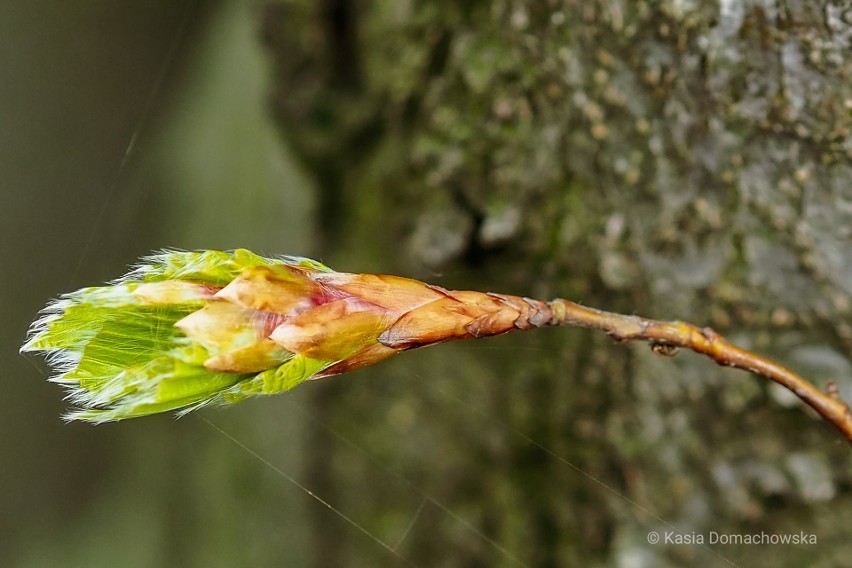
column 666, row 336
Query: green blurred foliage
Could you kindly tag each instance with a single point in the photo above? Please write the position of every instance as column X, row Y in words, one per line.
column 130, row 127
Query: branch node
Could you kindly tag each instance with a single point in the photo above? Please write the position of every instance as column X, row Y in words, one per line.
column 664, row 349
column 710, row 334
column 832, row 390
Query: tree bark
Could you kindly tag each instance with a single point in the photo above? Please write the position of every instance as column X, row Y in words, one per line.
column 680, row 160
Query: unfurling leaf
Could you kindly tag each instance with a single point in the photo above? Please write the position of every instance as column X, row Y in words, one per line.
column 187, row 329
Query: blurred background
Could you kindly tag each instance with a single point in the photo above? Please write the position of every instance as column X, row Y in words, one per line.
column 674, row 159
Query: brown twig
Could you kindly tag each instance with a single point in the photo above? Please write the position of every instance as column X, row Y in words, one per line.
column 666, row 336
column 468, row 314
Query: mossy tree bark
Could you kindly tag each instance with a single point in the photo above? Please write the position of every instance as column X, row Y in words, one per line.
column 675, row 159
